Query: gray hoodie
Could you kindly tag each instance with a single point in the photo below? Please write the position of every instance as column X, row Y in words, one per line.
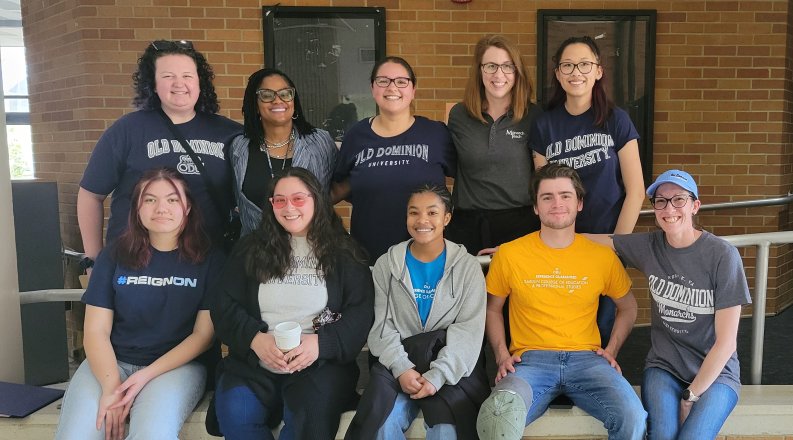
column 458, row 307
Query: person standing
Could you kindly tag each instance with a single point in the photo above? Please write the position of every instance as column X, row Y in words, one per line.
column 277, row 136
column 175, row 78
column 383, row 158
column 490, row 130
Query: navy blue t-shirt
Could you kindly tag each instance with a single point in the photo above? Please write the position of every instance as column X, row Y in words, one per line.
column 592, row 152
column 154, row 308
column 140, row 141
column 384, row 171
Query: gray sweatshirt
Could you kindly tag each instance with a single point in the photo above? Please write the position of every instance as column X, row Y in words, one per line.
column 458, row 307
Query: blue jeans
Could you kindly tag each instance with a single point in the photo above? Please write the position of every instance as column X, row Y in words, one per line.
column 590, row 382
column 661, row 396
column 158, row 411
column 242, row 416
column 402, row 415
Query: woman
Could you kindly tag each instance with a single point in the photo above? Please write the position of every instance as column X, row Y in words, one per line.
column 582, row 128
column 490, row 129
column 146, row 320
column 298, row 265
column 175, row 78
column 277, row 136
column 697, row 286
column 428, row 293
column 384, row 157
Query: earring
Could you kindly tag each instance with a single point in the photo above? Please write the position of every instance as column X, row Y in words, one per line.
column 294, row 116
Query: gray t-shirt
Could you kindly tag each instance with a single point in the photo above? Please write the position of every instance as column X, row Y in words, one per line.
column 299, row 296
column 687, row 286
column 493, row 160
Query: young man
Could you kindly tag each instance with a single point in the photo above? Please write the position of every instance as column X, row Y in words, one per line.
column 554, row 278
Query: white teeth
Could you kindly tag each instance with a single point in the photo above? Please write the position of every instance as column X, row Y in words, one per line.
column 423, row 230
column 277, row 110
column 392, row 97
column 291, row 217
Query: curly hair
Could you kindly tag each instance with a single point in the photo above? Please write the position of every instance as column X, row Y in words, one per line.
column 144, row 82
column 253, row 129
column 267, row 252
column 601, row 104
column 133, row 247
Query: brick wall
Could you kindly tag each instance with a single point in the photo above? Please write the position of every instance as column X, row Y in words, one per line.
column 723, row 84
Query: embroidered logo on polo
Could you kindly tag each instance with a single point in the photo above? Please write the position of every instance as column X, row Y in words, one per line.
column 156, row 281
column 678, row 302
column 392, row 156
column 594, row 148
column 516, row 134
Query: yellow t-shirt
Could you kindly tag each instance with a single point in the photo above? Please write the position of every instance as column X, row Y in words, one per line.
column 553, row 293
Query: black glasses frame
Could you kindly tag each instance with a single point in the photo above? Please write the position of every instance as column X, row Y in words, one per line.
column 160, row 45
column 286, row 94
column 504, row 67
column 392, row 80
column 659, row 203
column 591, row 64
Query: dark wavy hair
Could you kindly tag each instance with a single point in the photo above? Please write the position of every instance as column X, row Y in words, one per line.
column 554, row 170
column 268, row 250
column 601, row 104
column 144, row 82
column 253, row 128
column 133, row 247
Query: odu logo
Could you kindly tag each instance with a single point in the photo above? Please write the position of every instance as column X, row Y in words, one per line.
column 154, row 281
column 186, row 165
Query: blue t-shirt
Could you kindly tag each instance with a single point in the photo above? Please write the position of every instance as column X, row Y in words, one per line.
column 383, row 172
column 140, row 141
column 425, row 277
column 592, row 152
column 154, row 308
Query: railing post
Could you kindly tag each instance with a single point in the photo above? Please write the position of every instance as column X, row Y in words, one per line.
column 758, row 319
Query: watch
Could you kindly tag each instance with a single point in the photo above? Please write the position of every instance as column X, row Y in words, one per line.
column 688, row 396
column 86, row 263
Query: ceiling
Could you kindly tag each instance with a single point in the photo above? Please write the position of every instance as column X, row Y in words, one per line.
column 10, row 23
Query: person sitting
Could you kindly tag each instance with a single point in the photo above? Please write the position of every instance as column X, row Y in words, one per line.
column 428, row 331
column 146, row 320
column 553, row 279
column 299, row 265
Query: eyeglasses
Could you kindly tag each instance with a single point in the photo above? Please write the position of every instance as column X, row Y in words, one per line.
column 384, row 81
column 171, row 45
column 584, row 67
column 677, row 201
column 492, row 68
column 267, row 95
column 297, row 199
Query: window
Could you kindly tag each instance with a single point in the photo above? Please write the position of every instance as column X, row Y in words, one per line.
column 17, row 108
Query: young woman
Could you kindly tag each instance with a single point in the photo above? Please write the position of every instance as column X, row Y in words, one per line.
column 490, row 129
column 146, row 320
column 298, row 265
column 582, row 128
column 383, row 158
column 173, row 77
column 277, row 136
column 428, row 331
column 697, row 286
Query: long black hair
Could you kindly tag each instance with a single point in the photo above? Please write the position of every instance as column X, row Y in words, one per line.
column 601, row 104
column 268, row 251
column 145, row 85
column 253, row 129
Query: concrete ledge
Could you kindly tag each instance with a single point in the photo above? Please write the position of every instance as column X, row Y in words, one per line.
column 763, row 411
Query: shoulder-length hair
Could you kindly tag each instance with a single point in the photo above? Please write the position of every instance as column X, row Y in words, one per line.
column 268, row 251
column 144, row 81
column 601, row 104
column 475, row 99
column 250, row 108
column 133, row 247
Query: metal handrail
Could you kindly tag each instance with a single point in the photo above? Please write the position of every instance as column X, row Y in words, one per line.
column 783, row 200
column 763, row 241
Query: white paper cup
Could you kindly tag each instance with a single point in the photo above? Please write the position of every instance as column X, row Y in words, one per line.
column 287, row 335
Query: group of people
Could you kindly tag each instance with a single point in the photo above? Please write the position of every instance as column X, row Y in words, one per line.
column 552, row 194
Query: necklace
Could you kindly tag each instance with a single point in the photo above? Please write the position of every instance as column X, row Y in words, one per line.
column 284, row 157
column 272, row 146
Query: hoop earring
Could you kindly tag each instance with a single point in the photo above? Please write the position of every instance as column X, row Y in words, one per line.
column 294, row 116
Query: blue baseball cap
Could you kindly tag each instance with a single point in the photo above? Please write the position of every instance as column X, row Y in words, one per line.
column 679, row 178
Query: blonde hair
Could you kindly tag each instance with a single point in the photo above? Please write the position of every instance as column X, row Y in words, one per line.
column 522, row 92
